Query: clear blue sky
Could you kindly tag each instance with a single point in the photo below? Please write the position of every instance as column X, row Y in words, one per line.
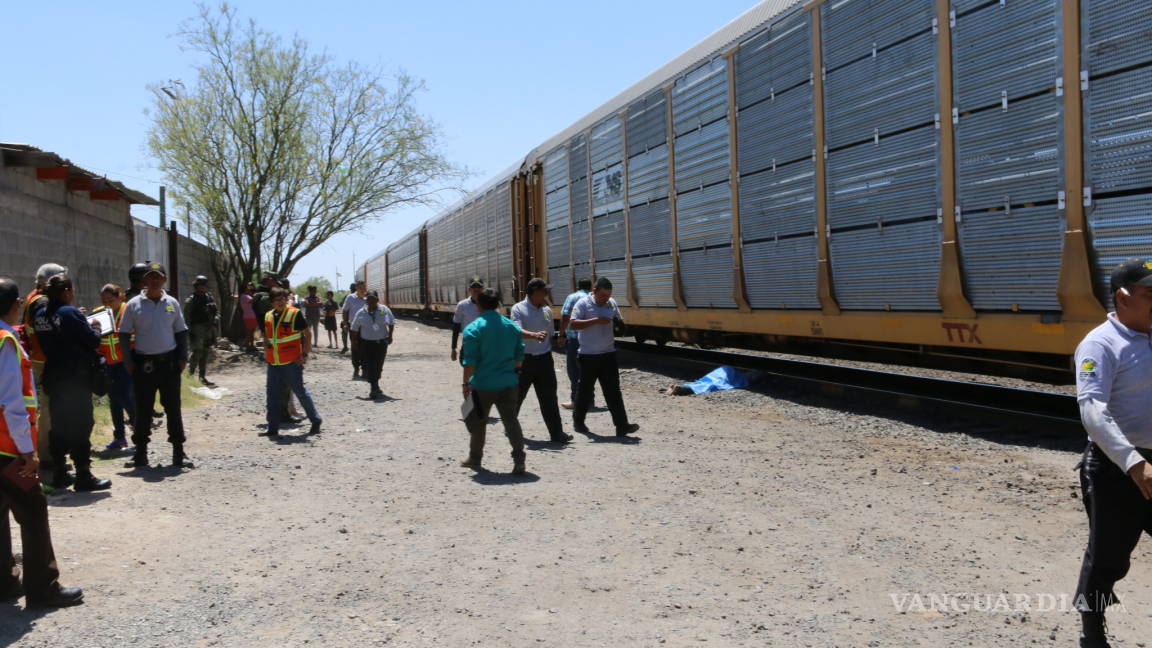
column 502, row 76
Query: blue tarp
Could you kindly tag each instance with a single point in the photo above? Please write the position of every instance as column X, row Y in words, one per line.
column 718, row 380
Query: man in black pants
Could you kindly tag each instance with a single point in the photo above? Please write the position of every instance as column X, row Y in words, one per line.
column 70, row 344
column 1113, row 387
column 371, row 331
column 594, row 316
column 156, row 363
column 534, row 318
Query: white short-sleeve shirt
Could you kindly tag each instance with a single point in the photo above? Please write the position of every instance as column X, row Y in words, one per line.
column 373, row 325
column 466, row 312
column 597, row 339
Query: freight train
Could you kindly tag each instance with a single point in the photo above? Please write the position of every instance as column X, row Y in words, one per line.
column 954, row 176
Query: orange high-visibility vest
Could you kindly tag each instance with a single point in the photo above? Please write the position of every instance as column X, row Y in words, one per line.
column 282, row 344
column 29, row 330
column 110, row 344
column 7, row 444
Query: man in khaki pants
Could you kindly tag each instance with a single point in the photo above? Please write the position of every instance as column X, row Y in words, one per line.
column 35, row 302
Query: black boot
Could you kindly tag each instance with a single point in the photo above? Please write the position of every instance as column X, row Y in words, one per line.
column 61, row 597
column 61, row 479
column 179, row 458
column 86, row 481
column 1094, row 633
column 139, row 458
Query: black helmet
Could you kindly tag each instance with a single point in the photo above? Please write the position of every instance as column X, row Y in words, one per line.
column 136, row 272
column 200, row 280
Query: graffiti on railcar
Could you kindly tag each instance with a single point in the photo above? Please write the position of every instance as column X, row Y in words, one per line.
column 965, row 333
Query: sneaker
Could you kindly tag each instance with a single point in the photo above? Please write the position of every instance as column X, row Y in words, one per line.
column 567, row 405
column 117, row 444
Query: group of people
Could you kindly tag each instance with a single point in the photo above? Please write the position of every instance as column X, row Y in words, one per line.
column 54, row 356
column 504, row 358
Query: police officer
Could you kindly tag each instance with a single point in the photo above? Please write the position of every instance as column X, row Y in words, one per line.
column 353, row 304
column 70, row 345
column 1113, row 388
column 156, row 363
column 288, row 343
column 492, row 353
column 18, row 439
column 534, row 318
column 570, row 339
column 371, row 331
column 594, row 316
column 35, row 303
column 202, row 317
column 121, row 403
column 467, row 310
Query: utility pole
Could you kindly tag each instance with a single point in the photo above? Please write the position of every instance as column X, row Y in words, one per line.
column 163, row 211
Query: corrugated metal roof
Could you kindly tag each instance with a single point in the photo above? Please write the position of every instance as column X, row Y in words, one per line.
column 720, row 41
column 13, row 154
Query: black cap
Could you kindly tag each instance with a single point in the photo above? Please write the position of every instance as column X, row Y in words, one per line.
column 372, row 293
column 155, row 266
column 476, row 282
column 537, row 284
column 603, row 283
column 1133, row 272
column 200, row 280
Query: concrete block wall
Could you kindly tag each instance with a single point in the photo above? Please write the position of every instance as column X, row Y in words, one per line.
column 42, row 221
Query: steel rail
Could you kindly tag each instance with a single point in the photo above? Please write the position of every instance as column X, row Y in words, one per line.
column 1057, row 412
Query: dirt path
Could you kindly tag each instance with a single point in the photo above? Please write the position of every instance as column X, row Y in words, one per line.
column 736, row 519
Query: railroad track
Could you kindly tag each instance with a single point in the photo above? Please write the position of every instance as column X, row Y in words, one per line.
column 1054, row 413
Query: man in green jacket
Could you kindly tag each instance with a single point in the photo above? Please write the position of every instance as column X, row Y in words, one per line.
column 491, row 356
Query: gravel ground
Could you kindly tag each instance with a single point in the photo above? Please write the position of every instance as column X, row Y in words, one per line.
column 742, row 518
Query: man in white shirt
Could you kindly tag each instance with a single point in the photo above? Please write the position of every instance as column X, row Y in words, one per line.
column 595, row 316
column 534, row 318
column 466, row 311
column 372, row 330
column 1113, row 388
column 353, row 304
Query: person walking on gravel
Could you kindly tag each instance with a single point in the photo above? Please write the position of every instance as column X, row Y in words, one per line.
column 287, row 346
column 491, row 356
column 466, row 312
column 595, row 316
column 353, row 303
column 19, row 482
column 1113, row 387
column 202, row 317
column 372, row 330
column 156, row 363
column 330, row 308
column 534, row 318
column 570, row 340
column 121, row 404
column 312, row 306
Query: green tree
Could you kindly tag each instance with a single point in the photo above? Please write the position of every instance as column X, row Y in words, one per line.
column 322, row 286
column 273, row 149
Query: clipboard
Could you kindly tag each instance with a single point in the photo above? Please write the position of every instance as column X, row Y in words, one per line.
column 467, row 407
column 104, row 319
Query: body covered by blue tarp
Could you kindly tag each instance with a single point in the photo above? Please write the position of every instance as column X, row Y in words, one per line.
column 719, row 379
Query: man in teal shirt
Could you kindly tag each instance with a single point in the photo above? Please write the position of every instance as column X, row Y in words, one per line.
column 491, row 355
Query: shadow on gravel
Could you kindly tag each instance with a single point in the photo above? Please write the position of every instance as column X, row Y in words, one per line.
column 285, row 439
column 154, row 474
column 15, row 622
column 69, row 499
column 1064, row 439
column 544, row 446
column 603, row 438
column 382, row 399
column 489, row 478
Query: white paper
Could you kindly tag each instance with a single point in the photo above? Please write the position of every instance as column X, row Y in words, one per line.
column 104, row 319
column 467, row 406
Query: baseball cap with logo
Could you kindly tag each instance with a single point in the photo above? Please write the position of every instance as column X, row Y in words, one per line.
column 476, row 282
column 154, row 267
column 1133, row 272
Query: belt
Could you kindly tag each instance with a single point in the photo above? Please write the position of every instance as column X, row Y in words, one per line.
column 151, row 356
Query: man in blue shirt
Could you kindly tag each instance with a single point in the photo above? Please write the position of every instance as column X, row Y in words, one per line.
column 491, row 355
column 570, row 340
column 70, row 345
column 595, row 316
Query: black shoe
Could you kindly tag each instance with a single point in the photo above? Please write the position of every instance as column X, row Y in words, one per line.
column 61, row 480
column 13, row 591
column 315, row 429
column 89, row 482
column 206, row 382
column 1094, row 632
column 582, row 429
column 181, row 460
column 271, row 434
column 374, row 395
column 157, row 414
column 563, row 438
column 627, row 429
column 139, row 459
column 63, row 597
